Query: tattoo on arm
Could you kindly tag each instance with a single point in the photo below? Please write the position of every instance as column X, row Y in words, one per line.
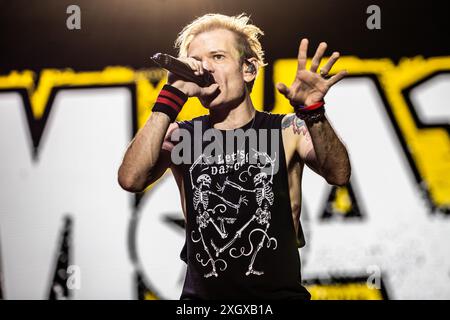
column 298, row 125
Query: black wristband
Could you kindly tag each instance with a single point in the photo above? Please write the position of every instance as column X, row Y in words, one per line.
column 170, row 101
column 311, row 116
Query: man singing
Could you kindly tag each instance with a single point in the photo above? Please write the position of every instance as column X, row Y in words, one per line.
column 241, row 204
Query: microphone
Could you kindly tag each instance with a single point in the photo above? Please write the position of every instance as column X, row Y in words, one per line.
column 182, row 70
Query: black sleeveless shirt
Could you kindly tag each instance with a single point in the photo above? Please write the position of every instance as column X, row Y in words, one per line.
column 240, row 237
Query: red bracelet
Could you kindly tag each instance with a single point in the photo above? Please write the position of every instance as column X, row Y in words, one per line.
column 311, row 107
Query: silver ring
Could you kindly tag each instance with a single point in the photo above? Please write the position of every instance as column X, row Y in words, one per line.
column 323, row 74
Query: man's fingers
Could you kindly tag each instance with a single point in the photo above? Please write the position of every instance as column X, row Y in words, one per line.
column 209, row 90
column 199, row 67
column 302, row 54
column 337, row 77
column 284, row 90
column 195, row 65
column 191, row 63
column 318, row 56
column 331, row 61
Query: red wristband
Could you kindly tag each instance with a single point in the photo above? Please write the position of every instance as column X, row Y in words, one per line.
column 170, row 101
column 311, row 107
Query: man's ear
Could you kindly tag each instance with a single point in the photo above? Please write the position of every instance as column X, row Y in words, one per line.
column 250, row 69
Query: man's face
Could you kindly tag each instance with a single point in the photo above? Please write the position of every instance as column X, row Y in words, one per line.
column 217, row 51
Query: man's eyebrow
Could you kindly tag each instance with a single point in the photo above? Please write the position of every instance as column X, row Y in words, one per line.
column 217, row 51
column 224, row 52
column 211, row 52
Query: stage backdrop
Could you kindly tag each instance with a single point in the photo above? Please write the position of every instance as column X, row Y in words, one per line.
column 76, row 84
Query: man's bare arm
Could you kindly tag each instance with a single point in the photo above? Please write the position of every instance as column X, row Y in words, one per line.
column 148, row 155
column 327, row 152
column 319, row 145
column 145, row 159
column 320, row 148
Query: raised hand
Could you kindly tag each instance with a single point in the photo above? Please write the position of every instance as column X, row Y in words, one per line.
column 310, row 87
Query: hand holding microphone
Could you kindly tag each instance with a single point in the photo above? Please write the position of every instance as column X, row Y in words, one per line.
column 182, row 69
column 188, row 81
column 187, row 78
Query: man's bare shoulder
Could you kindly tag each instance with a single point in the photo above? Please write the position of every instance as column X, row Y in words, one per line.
column 293, row 125
column 294, row 132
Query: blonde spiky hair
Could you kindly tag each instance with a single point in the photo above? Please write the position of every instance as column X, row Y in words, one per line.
column 248, row 44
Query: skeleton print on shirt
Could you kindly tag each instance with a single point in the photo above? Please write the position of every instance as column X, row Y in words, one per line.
column 248, row 215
